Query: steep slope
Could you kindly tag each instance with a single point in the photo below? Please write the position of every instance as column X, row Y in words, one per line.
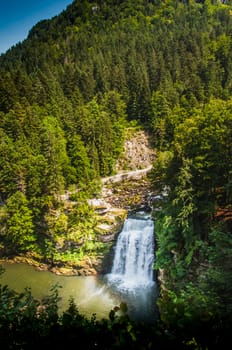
column 130, row 188
column 132, row 47
column 138, row 152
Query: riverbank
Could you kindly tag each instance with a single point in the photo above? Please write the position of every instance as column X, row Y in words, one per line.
column 68, row 269
column 109, row 222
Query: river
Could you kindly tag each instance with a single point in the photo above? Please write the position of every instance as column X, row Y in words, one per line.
column 130, row 281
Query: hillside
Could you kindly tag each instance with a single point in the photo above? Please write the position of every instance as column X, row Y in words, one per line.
column 68, row 96
column 130, row 187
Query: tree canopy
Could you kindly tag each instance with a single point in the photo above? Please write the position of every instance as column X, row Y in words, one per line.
column 67, row 94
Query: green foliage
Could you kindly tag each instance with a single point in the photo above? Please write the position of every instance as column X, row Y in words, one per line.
column 54, row 150
column 197, row 176
column 26, row 322
column 101, row 125
column 194, row 242
column 79, row 159
column 181, row 51
column 160, row 118
column 218, row 275
column 7, row 155
column 65, row 95
column 18, row 224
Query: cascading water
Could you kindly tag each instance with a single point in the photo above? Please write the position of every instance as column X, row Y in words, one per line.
column 132, row 271
column 134, row 253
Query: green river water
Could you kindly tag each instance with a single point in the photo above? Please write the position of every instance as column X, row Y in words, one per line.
column 90, row 293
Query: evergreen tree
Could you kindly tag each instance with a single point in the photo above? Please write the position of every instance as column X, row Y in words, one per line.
column 19, row 230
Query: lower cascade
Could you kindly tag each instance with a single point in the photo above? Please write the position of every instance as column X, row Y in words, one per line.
column 134, row 254
column 132, row 270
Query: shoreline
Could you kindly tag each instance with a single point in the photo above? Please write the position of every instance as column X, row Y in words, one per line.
column 64, row 270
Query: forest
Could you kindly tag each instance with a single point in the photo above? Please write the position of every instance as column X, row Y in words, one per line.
column 67, row 95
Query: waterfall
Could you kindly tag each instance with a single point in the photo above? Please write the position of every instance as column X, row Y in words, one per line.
column 131, row 276
column 134, row 254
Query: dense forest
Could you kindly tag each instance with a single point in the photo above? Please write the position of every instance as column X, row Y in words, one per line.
column 68, row 93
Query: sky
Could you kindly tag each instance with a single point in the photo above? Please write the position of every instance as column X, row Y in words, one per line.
column 17, row 17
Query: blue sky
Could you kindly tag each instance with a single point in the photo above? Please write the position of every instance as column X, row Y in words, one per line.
column 17, row 17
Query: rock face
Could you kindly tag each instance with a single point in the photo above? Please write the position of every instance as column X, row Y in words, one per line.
column 138, row 152
column 109, row 223
column 128, row 194
column 130, row 187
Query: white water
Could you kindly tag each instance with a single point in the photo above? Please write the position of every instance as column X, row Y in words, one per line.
column 134, row 253
column 132, row 271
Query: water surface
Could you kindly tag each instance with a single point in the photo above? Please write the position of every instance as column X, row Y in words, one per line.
column 90, row 294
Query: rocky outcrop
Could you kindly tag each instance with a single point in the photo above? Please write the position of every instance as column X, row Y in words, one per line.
column 138, row 152
column 130, row 175
column 130, row 187
column 128, row 194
